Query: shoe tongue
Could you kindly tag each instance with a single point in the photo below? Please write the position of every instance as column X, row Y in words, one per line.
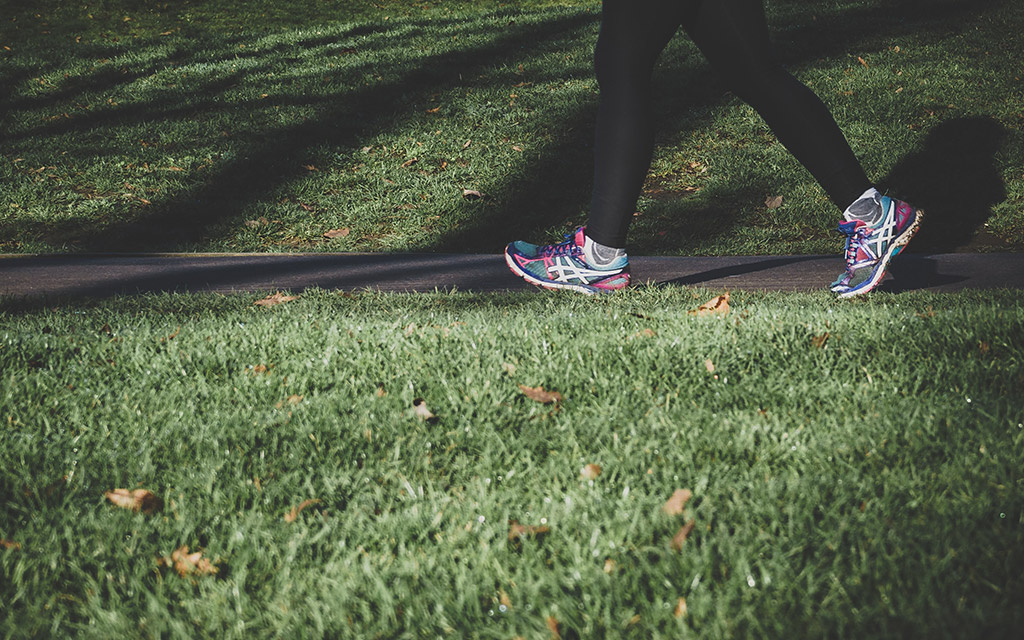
column 850, row 227
column 581, row 236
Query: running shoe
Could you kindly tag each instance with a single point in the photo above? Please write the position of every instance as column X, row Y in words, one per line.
column 869, row 249
column 564, row 266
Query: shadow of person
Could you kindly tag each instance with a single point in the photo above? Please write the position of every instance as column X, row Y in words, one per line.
column 954, row 178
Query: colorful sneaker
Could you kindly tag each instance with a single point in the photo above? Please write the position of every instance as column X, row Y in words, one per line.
column 563, row 266
column 870, row 248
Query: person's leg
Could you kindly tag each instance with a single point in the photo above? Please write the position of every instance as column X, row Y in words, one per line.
column 633, row 34
column 733, row 36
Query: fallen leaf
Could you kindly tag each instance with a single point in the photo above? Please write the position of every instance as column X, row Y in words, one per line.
column 590, row 471
column 680, row 608
column 292, row 515
column 517, row 148
column 819, row 341
column 504, row 599
column 468, row 142
column 538, row 394
column 258, row 369
column 680, row 537
column 518, row 531
column 9, row 544
column 674, row 505
column 863, row 62
column 471, row 194
column 186, row 563
column 307, row 207
column 609, row 565
column 290, row 400
column 337, row 233
column 410, row 162
column 309, row 167
column 715, row 306
column 275, row 299
column 553, row 627
column 773, row 202
column 136, row 500
column 983, row 347
column 710, row 366
column 434, row 110
column 419, row 407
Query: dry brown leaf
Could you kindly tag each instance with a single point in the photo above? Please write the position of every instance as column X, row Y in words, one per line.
column 504, row 599
column 337, row 233
column 716, row 306
column 674, row 505
column 468, row 142
column 292, row 515
column 471, row 194
column 136, row 500
column 275, row 299
column 609, row 565
column 863, row 62
column 553, row 627
column 680, row 608
column 710, row 366
column 9, row 544
column 538, row 394
column 309, row 167
column 518, row 531
column 290, row 400
column 258, row 369
column 434, row 110
column 186, row 563
column 419, row 407
column 680, row 537
column 590, row 471
column 819, row 341
column 410, row 162
column 773, row 202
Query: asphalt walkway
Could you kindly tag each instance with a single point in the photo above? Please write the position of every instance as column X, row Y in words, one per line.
column 106, row 275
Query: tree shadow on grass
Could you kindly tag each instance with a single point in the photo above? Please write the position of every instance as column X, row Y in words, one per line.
column 551, row 191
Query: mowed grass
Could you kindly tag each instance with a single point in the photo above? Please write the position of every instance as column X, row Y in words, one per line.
column 228, row 126
column 856, row 468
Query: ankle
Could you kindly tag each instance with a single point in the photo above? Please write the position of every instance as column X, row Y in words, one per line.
column 600, row 255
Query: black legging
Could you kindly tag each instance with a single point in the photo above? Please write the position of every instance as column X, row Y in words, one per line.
column 733, row 36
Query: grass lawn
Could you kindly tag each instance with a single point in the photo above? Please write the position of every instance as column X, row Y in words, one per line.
column 855, row 468
column 259, row 126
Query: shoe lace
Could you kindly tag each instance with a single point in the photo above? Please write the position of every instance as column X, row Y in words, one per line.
column 854, row 240
column 567, row 246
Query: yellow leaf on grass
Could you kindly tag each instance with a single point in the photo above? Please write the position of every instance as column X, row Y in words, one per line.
column 680, row 608
column 718, row 305
column 538, row 394
column 186, row 563
column 674, row 505
column 518, row 531
column 337, row 233
column 136, row 500
column 275, row 299
column 590, row 471
column 553, row 627
column 293, row 515
column 681, row 535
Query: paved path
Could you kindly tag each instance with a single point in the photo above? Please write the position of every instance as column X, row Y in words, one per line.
column 104, row 275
